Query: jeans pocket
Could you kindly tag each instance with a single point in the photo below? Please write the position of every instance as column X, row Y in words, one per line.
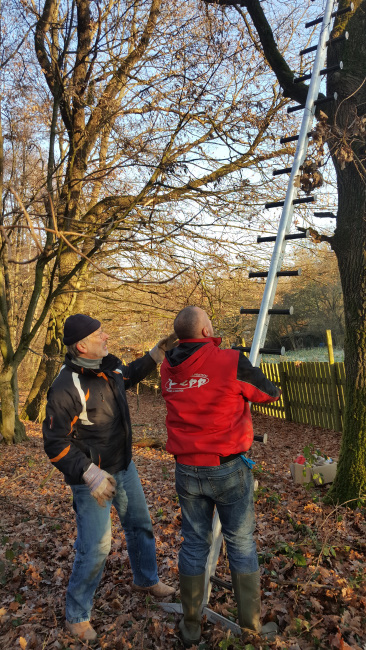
column 228, row 488
column 181, row 482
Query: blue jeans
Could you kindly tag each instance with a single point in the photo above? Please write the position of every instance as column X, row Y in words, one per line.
column 93, row 541
column 229, row 487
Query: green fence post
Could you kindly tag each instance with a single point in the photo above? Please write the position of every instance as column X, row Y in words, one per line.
column 333, row 379
column 286, row 401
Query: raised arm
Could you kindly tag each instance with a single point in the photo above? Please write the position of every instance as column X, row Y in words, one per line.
column 255, row 386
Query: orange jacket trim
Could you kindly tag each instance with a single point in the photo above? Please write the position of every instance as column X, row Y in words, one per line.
column 61, row 455
column 72, row 423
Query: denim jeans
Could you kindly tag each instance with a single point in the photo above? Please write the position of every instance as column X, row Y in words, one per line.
column 229, row 487
column 93, row 541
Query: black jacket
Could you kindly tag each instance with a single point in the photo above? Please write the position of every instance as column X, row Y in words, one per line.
column 87, row 417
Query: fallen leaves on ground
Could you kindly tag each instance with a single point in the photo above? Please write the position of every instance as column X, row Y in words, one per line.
column 312, row 556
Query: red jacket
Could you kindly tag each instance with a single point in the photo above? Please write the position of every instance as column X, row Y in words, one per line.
column 207, row 393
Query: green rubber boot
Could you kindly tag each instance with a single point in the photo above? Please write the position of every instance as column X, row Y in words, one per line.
column 247, row 591
column 191, row 595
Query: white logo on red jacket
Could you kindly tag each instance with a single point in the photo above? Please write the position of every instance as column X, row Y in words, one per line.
column 196, row 381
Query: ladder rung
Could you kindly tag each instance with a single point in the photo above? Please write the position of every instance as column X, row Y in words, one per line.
column 346, row 10
column 298, row 107
column 307, row 50
column 339, row 12
column 292, row 138
column 258, row 274
column 313, row 48
column 317, row 21
column 285, row 170
column 299, row 235
column 279, row 204
column 299, row 80
column 338, row 39
column 279, row 351
column 283, row 312
column 274, row 204
column 317, row 102
column 324, row 100
column 261, row 239
column 325, row 215
column 304, row 199
column 280, row 274
column 296, row 235
column 263, row 438
column 332, row 68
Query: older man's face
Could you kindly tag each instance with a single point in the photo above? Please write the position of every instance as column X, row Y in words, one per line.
column 94, row 346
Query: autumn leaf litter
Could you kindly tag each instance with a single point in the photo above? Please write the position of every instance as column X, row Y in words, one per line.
column 312, row 556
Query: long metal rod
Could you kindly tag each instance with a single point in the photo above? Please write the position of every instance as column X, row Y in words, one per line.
column 278, row 250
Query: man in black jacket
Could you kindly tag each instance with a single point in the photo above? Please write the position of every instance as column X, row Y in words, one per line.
column 87, row 436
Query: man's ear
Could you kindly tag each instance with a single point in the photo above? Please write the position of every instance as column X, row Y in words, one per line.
column 205, row 332
column 80, row 347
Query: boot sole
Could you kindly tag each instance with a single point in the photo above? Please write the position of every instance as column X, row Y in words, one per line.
column 188, row 641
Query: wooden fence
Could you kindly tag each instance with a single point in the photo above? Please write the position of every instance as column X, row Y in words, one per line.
column 312, row 393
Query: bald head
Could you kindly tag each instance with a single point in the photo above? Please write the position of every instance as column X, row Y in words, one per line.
column 192, row 323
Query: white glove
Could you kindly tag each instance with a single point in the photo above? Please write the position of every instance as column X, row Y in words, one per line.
column 102, row 485
column 162, row 346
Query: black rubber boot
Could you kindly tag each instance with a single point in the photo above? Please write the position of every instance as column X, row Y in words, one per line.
column 191, row 595
column 247, row 591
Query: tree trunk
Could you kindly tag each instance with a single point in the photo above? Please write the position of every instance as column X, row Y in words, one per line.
column 347, row 144
column 48, row 368
column 53, row 350
column 19, row 428
column 12, row 429
column 349, row 244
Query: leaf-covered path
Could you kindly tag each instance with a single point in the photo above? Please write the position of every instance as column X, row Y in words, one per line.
column 312, row 556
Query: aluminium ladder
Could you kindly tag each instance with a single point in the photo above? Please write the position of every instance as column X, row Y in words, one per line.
column 274, row 272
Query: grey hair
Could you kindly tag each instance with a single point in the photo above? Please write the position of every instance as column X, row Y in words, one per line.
column 72, row 350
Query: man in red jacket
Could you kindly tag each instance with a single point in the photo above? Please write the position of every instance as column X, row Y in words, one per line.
column 207, row 393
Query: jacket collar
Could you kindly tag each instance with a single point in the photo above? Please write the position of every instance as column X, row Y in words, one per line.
column 110, row 362
column 216, row 340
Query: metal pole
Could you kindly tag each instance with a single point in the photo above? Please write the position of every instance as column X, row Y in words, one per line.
column 292, row 190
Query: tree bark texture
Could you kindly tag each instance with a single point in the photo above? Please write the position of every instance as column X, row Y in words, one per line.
column 349, row 245
column 12, row 429
column 53, row 350
column 347, row 144
column 48, row 368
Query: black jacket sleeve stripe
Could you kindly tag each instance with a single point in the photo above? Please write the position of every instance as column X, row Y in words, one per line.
column 257, row 387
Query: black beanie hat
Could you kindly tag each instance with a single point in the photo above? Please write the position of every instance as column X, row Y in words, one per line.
column 78, row 327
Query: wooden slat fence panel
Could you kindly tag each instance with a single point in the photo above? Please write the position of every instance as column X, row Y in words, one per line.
column 307, row 389
column 310, row 372
column 275, row 409
column 325, row 410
